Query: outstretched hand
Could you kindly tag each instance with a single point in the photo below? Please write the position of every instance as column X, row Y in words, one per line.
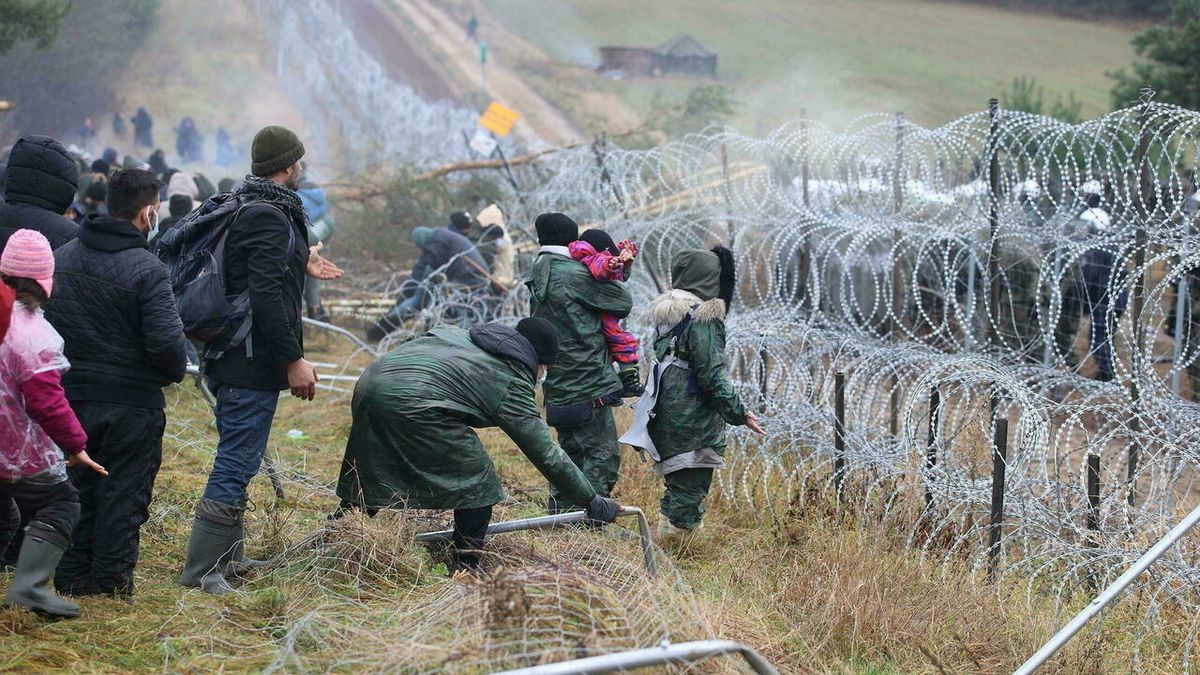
column 754, row 425
column 319, row 267
column 83, row 458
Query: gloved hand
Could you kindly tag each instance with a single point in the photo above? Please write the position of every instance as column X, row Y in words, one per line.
column 602, row 509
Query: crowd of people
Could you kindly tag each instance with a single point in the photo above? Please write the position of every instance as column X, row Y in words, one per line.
column 94, row 323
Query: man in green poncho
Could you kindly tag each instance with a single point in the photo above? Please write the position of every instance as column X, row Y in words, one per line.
column 690, row 394
column 411, row 444
column 583, row 385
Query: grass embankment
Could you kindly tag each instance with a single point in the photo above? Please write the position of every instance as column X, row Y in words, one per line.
column 838, row 60
column 806, row 586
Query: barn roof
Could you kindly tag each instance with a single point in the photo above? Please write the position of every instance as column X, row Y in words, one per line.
column 682, row 45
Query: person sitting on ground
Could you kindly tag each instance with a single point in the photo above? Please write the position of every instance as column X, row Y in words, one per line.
column 607, row 261
column 444, row 252
column 412, row 443
column 39, row 426
column 694, row 400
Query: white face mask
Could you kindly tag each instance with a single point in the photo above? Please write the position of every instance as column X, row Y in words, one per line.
column 153, row 219
column 542, row 372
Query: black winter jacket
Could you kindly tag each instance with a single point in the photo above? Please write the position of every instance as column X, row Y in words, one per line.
column 257, row 258
column 114, row 308
column 38, row 187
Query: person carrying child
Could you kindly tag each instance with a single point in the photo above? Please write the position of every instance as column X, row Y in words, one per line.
column 37, row 426
column 612, row 262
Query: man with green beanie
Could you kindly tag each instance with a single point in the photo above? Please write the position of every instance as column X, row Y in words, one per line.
column 412, row 445
column 583, row 387
column 444, row 254
column 267, row 256
column 680, row 421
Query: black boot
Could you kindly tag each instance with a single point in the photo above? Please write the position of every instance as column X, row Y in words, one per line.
column 632, row 381
column 41, row 550
column 214, row 532
column 237, row 564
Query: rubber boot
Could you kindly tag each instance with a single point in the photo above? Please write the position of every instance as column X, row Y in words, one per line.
column 214, row 533
column 236, row 564
column 40, row 552
column 668, row 533
column 631, row 381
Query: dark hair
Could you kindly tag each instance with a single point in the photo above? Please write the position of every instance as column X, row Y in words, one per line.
column 130, row 191
column 96, row 191
column 28, row 291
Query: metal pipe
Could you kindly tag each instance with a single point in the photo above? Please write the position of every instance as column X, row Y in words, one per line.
column 664, row 654
column 1108, row 595
column 558, row 520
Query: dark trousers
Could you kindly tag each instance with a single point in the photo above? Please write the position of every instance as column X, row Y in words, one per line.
column 244, row 419
column 55, row 505
column 683, row 496
column 470, row 529
column 128, row 442
column 594, row 449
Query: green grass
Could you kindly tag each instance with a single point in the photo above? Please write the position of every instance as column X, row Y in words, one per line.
column 840, row 59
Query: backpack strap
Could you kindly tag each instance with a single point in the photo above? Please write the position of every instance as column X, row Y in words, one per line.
column 244, row 334
column 679, row 328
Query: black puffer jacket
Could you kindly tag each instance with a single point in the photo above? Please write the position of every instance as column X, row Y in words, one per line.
column 257, row 258
column 38, row 187
column 114, row 308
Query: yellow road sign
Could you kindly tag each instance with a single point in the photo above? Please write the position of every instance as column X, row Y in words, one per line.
column 499, row 118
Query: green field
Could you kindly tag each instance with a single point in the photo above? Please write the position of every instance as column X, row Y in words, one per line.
column 839, row 59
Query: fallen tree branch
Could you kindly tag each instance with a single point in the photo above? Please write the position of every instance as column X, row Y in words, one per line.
column 477, row 164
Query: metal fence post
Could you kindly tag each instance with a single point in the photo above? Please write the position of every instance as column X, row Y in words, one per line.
column 1137, row 302
column 1093, row 513
column 897, row 269
column 996, row 523
column 935, row 404
column 993, row 221
column 839, row 431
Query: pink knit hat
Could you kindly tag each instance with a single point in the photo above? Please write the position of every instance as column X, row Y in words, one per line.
column 28, row 255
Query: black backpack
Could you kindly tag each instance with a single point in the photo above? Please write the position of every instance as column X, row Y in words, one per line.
column 194, row 252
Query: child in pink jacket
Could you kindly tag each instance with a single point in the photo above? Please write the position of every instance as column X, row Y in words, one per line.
column 611, row 262
column 37, row 426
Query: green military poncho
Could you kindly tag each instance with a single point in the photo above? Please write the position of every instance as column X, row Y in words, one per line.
column 565, row 294
column 692, row 416
column 411, row 443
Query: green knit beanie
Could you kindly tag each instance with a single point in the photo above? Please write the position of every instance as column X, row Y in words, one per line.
column 273, row 150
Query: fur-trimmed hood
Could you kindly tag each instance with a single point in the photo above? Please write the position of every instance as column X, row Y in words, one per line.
column 668, row 309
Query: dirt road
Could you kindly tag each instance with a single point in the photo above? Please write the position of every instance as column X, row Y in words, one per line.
column 459, row 57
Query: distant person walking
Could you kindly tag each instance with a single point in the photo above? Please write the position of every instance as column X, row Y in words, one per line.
column 143, row 129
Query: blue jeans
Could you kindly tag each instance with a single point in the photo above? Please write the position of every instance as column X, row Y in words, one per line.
column 244, row 419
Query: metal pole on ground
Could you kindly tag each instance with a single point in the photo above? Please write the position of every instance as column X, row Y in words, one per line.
column 663, row 655
column 1109, row 594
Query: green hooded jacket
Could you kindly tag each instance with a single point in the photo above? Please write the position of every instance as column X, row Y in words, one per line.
column 564, row 293
column 692, row 412
column 411, row 443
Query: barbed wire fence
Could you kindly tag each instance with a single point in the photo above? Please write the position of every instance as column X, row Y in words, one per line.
column 1031, row 272
column 1003, row 280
